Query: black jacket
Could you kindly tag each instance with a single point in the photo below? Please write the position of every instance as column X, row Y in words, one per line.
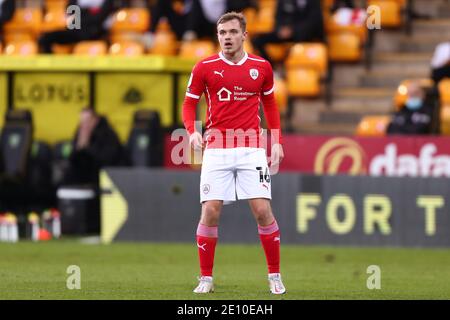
column 104, row 149
column 7, row 12
column 406, row 121
column 304, row 16
column 93, row 22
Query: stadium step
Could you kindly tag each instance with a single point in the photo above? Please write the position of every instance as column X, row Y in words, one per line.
column 390, row 78
column 325, row 129
column 346, row 117
column 425, row 28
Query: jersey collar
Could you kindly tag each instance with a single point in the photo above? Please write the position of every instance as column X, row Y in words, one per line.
column 241, row 62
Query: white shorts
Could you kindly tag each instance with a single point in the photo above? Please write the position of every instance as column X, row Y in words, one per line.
column 234, row 174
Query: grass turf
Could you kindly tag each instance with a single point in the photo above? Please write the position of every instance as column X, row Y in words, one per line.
column 168, row 271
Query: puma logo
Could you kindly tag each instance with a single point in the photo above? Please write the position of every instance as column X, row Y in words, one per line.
column 202, row 246
column 276, row 239
column 265, row 186
column 219, row 73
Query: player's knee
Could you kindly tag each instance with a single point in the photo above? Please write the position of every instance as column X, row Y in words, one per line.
column 211, row 212
column 262, row 214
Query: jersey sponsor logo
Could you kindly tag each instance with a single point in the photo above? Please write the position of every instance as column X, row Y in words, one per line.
column 254, row 73
column 224, row 94
column 219, row 73
column 206, row 188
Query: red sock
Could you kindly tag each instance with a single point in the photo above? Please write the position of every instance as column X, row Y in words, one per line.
column 270, row 240
column 206, row 243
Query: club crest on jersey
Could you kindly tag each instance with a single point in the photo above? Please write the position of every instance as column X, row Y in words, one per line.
column 254, row 73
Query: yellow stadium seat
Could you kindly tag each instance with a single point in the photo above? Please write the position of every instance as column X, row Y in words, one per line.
column 306, row 64
column 344, row 47
column 54, row 19
column 1, row 47
column 444, row 90
column 56, row 4
column 126, row 48
column 266, row 16
column 131, row 20
column 165, row 42
column 373, row 126
column 91, row 48
column 281, row 94
column 390, row 11
column 304, row 82
column 445, row 119
column 25, row 20
column 21, row 48
column 198, row 49
column 402, row 90
column 313, row 55
column 278, row 51
column 62, row 48
column 251, row 17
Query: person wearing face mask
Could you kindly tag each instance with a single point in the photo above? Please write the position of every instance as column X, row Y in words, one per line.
column 415, row 117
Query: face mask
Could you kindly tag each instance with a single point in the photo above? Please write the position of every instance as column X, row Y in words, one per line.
column 413, row 103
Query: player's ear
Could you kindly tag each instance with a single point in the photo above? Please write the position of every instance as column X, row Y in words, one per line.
column 244, row 35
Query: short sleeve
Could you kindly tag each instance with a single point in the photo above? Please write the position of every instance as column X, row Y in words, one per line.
column 196, row 84
column 268, row 85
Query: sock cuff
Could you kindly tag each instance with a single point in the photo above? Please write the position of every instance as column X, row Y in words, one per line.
column 206, row 231
column 271, row 228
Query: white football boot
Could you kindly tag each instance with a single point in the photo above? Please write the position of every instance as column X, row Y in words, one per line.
column 205, row 285
column 275, row 284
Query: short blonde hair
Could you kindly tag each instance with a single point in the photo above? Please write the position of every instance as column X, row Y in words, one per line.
column 232, row 16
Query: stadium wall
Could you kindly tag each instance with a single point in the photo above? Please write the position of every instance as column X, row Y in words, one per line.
column 163, row 205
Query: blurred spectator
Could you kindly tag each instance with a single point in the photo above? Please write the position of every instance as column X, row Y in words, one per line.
column 95, row 145
column 344, row 13
column 296, row 21
column 94, row 14
column 415, row 117
column 176, row 12
column 7, row 8
column 440, row 64
column 201, row 21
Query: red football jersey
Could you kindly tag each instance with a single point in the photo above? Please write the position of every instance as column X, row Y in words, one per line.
column 233, row 92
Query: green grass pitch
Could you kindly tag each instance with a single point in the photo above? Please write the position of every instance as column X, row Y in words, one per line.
column 168, row 271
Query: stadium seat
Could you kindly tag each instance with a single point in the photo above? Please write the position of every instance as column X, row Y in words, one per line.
column 145, row 142
column 445, row 119
column 21, row 48
column 131, row 20
column 62, row 48
column 25, row 21
column 165, row 41
column 198, row 49
column 278, row 51
column 402, row 91
column 91, row 48
column 54, row 19
column 281, row 94
column 252, row 22
column 344, row 47
column 15, row 143
column 373, row 126
column 306, row 64
column 266, row 16
column 56, row 4
column 126, row 48
column 390, row 10
column 444, row 91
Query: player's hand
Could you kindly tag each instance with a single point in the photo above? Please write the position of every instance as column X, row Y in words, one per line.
column 276, row 155
column 196, row 141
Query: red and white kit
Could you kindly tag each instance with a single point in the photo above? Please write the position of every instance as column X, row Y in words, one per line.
column 234, row 162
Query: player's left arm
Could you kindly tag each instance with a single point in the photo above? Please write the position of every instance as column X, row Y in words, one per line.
column 272, row 115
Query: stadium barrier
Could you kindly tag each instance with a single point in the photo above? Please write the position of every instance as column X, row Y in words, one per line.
column 56, row 87
column 163, row 205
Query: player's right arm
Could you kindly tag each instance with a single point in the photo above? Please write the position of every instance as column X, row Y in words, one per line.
column 195, row 88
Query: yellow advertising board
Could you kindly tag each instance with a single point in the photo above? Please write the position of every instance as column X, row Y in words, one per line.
column 3, row 97
column 55, row 100
column 119, row 95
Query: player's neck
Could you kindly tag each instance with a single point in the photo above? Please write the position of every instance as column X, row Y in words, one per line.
column 235, row 57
